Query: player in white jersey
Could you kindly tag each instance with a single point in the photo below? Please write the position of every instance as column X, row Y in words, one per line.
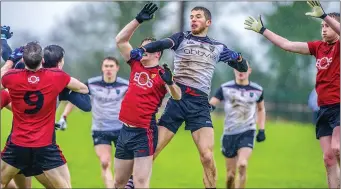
column 106, row 93
column 195, row 59
column 244, row 107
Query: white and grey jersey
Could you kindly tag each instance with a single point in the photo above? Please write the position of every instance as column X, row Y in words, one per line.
column 240, row 105
column 195, row 60
column 106, row 99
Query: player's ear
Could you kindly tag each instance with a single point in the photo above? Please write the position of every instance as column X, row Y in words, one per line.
column 208, row 22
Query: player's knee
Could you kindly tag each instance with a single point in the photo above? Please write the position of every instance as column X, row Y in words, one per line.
column 105, row 162
column 329, row 159
column 206, row 158
column 231, row 174
column 140, row 180
column 242, row 165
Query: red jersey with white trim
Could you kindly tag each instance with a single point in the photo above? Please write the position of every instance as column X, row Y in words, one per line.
column 328, row 71
column 5, row 99
column 33, row 96
column 144, row 95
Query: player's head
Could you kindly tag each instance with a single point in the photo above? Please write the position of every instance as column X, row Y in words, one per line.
column 53, row 57
column 241, row 76
column 110, row 66
column 150, row 57
column 200, row 20
column 328, row 34
column 33, row 55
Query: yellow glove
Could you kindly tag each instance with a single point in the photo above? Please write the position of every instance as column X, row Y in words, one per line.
column 255, row 25
column 317, row 10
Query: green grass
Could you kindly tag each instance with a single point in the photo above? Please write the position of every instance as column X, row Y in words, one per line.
column 289, row 158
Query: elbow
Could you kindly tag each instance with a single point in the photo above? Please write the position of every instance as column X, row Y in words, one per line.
column 118, row 40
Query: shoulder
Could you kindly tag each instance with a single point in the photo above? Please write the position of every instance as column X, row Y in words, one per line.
column 95, row 79
column 122, row 81
column 13, row 72
column 256, row 86
column 228, row 84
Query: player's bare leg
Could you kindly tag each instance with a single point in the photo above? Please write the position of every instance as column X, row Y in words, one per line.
column 243, row 157
column 103, row 152
column 7, row 173
column 142, row 171
column 332, row 168
column 59, row 177
column 44, row 181
column 122, row 171
column 164, row 137
column 22, row 182
column 336, row 143
column 11, row 185
column 204, row 140
column 231, row 166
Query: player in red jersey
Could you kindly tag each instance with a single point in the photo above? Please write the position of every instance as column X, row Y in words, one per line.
column 148, row 84
column 34, row 92
column 327, row 53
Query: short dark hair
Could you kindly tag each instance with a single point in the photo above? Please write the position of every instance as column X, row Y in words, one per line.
column 335, row 15
column 152, row 39
column 207, row 13
column 112, row 59
column 53, row 54
column 32, row 55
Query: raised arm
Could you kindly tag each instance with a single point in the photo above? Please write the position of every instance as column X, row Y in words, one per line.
column 5, row 48
column 283, row 43
column 123, row 37
column 318, row 12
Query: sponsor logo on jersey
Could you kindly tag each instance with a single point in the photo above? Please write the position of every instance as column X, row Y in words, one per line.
column 143, row 79
column 33, row 79
column 323, row 63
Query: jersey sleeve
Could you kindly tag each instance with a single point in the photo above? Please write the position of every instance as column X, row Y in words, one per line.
column 261, row 97
column 219, row 94
column 63, row 80
column 5, row 98
column 177, row 38
column 312, row 45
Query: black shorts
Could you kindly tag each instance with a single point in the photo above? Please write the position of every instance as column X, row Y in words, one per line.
column 136, row 142
column 105, row 137
column 193, row 109
column 32, row 161
column 232, row 143
column 328, row 118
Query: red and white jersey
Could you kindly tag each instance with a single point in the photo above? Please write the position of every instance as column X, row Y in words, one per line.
column 33, row 96
column 144, row 95
column 328, row 71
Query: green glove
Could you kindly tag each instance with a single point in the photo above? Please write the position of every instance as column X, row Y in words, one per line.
column 255, row 25
column 318, row 11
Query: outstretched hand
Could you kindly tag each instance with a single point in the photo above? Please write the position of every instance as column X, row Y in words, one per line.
column 256, row 25
column 147, row 12
column 317, row 10
column 166, row 75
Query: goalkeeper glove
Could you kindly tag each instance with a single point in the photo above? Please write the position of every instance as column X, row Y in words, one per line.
column 147, row 12
column 255, row 25
column 166, row 75
column 317, row 11
column 6, row 32
column 261, row 135
column 61, row 124
column 16, row 54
